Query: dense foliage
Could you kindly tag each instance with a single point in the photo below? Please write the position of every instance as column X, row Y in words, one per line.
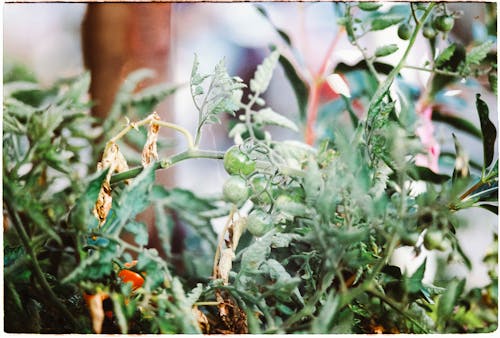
column 311, row 226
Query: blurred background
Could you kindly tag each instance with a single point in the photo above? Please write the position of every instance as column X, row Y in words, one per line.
column 57, row 40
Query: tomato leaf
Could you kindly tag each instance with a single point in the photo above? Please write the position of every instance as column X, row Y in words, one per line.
column 488, row 130
column 299, row 86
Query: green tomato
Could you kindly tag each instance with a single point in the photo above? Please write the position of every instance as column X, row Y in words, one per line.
column 404, row 31
column 235, row 190
column 429, row 32
column 433, row 239
column 443, row 23
column 289, row 206
column 260, row 195
column 238, row 163
column 259, row 222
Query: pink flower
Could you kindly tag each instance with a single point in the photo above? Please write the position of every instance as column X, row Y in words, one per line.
column 425, row 131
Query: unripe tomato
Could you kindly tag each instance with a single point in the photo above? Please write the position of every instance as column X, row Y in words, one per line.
column 235, row 190
column 238, row 163
column 129, row 276
column 404, row 31
column 289, row 206
column 433, row 239
column 259, row 222
column 429, row 32
column 443, row 23
column 259, row 193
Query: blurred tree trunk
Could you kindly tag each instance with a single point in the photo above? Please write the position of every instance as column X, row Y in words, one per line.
column 118, row 38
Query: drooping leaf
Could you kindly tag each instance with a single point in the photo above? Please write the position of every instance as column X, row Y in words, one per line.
column 456, row 122
column 386, row 50
column 488, row 130
column 299, row 86
column 490, row 207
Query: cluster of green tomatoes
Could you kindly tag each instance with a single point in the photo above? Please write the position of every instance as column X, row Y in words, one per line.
column 441, row 23
column 245, row 182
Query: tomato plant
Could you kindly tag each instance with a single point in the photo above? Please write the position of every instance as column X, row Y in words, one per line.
column 304, row 235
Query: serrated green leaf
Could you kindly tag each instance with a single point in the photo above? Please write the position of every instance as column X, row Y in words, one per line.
column 477, row 54
column 384, row 21
column 369, row 6
column 386, row 50
column 135, row 197
column 299, row 86
column 267, row 116
column 140, row 232
column 263, row 74
column 124, row 95
column 488, row 130
column 413, row 284
column 445, row 55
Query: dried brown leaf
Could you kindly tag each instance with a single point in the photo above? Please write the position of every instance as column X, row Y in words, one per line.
column 149, row 152
column 202, row 320
column 225, row 264
column 96, row 312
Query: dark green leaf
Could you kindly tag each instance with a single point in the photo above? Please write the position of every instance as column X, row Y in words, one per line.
column 488, row 130
column 413, row 284
column 384, row 21
column 449, row 299
column 493, row 80
column 380, row 67
column 456, row 122
column 386, row 50
column 299, row 86
column 425, row 174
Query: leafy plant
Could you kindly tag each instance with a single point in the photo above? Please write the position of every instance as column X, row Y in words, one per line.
column 311, row 227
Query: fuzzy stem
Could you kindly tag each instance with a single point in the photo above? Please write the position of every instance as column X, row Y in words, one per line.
column 167, row 163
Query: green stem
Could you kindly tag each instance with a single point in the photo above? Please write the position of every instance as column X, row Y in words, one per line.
column 167, row 163
column 381, row 90
column 42, row 281
column 432, row 70
column 396, row 307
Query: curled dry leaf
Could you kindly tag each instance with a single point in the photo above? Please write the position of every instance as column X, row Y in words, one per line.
column 225, row 264
column 103, row 203
column 232, row 319
column 202, row 320
column 149, row 152
column 113, row 159
column 236, row 230
column 94, row 303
